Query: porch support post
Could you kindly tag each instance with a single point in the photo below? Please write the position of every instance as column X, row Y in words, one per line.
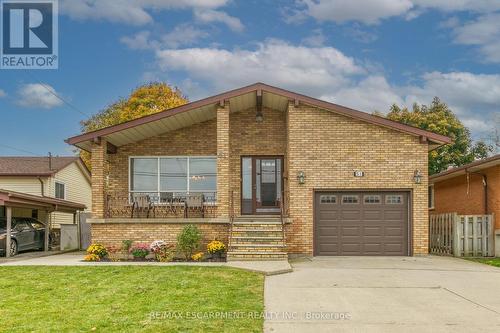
column 223, row 175
column 47, row 231
column 8, row 213
column 98, row 161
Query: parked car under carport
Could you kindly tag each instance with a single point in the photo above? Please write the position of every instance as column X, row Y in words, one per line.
column 27, row 234
column 11, row 199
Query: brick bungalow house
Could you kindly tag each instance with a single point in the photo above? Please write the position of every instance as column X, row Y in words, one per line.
column 472, row 189
column 273, row 172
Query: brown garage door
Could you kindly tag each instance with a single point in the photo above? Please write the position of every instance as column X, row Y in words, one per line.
column 361, row 223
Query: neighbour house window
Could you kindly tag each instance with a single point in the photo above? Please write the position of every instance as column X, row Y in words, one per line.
column 165, row 178
column 60, row 190
column 431, row 196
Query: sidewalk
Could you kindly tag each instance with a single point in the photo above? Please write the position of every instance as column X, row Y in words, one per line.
column 75, row 259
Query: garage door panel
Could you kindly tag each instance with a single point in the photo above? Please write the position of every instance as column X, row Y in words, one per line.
column 350, row 215
column 372, row 248
column 350, row 248
column 329, row 215
column 393, row 248
column 392, row 214
column 351, row 231
column 331, row 248
column 329, row 231
column 372, row 214
column 393, row 231
column 373, row 231
column 375, row 224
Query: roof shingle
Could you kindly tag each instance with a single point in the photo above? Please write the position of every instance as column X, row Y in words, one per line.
column 33, row 166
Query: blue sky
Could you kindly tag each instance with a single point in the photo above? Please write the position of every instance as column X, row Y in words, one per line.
column 363, row 56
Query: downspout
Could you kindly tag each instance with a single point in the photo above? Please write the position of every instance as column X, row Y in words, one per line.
column 41, row 186
column 485, row 189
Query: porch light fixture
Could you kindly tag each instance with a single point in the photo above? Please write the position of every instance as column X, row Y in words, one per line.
column 301, row 177
column 259, row 117
column 417, row 176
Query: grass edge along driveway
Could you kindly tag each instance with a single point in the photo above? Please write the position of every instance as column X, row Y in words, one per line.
column 130, row 299
column 488, row 261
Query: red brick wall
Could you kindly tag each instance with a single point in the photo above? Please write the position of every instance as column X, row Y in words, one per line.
column 454, row 195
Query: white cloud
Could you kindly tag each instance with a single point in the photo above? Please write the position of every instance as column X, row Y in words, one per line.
column 370, row 94
column 373, row 11
column 125, row 11
column 483, row 32
column 2, row 93
column 313, row 70
column 370, row 12
column 139, row 41
column 130, row 11
column 181, row 35
column 459, row 5
column 327, row 73
column 474, row 97
column 210, row 16
column 316, row 39
column 38, row 95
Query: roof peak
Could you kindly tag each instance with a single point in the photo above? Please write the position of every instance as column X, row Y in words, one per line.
column 292, row 96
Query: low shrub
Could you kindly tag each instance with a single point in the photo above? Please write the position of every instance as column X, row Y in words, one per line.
column 189, row 240
column 140, row 250
column 92, row 257
column 163, row 252
column 216, row 247
column 197, row 256
column 114, row 253
column 98, row 250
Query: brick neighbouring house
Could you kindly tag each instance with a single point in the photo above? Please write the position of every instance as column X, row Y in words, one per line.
column 342, row 181
column 472, row 189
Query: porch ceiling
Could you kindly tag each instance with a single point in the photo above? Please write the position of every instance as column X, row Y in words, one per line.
column 239, row 99
column 188, row 118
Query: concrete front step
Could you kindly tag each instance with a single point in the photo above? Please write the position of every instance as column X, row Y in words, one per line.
column 258, row 247
column 257, row 222
column 256, row 255
column 254, row 238
column 257, row 229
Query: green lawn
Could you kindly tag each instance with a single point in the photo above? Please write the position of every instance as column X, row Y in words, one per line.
column 122, row 299
column 488, row 261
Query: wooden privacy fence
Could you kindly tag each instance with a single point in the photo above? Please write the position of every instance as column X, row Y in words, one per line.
column 461, row 235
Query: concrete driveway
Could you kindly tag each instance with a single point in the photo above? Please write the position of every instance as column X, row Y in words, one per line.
column 382, row 294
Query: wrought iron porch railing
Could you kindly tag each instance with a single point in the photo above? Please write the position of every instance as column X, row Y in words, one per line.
column 173, row 205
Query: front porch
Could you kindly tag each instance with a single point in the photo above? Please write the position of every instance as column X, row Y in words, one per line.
column 210, row 173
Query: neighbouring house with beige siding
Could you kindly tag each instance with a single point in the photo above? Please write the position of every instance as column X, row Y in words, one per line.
column 269, row 171
column 58, row 177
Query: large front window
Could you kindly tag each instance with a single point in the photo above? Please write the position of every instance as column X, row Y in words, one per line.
column 165, row 178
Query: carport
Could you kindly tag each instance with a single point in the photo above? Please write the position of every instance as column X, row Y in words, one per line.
column 11, row 199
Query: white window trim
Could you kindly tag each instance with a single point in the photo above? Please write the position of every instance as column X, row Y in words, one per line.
column 188, row 157
column 433, row 197
column 56, row 181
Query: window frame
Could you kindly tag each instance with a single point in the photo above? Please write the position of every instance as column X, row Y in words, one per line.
column 158, row 191
column 329, row 196
column 56, row 181
column 350, row 203
column 394, row 203
column 365, row 196
column 432, row 195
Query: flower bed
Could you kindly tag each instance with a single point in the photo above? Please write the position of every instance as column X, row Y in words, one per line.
column 186, row 249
